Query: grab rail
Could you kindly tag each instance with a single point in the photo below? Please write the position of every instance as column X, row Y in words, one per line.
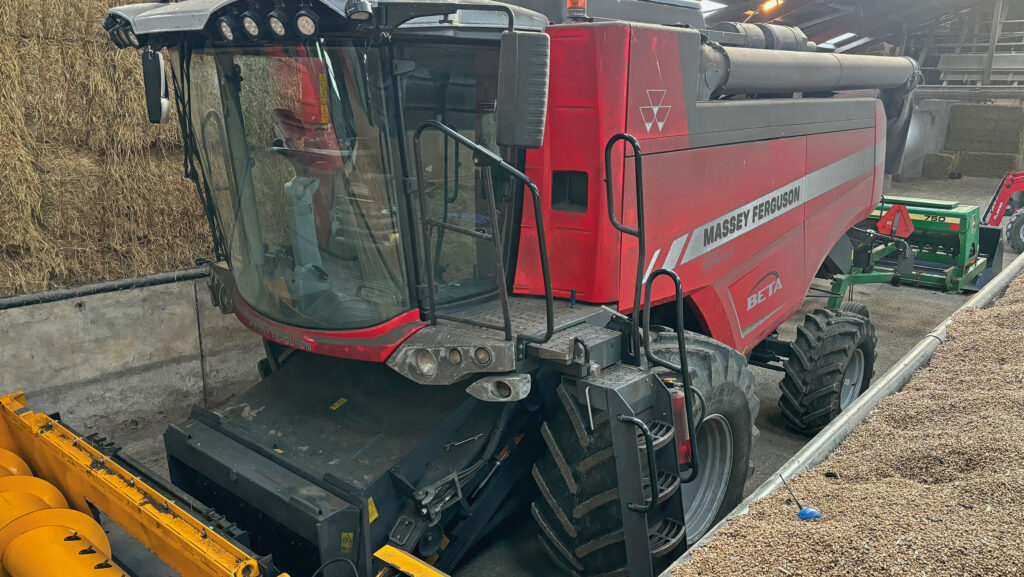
column 683, row 367
column 487, row 160
column 639, row 232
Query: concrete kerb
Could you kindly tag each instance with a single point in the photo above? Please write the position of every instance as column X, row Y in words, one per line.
column 825, row 442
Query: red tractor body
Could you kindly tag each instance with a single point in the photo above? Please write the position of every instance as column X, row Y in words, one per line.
column 1003, row 201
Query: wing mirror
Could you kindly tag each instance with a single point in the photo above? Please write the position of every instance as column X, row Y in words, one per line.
column 154, row 77
column 523, row 66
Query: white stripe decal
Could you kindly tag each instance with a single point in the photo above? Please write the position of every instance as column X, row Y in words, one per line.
column 767, row 208
column 750, row 328
column 675, row 251
column 650, row 267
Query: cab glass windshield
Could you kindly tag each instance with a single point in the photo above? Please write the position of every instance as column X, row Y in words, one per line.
column 295, row 145
column 301, row 152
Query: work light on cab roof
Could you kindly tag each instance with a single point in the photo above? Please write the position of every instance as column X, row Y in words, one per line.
column 358, row 10
column 133, row 40
column 307, row 22
column 227, row 26
column 250, row 24
column 277, row 20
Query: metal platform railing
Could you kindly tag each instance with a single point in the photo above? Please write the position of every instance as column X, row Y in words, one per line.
column 488, row 161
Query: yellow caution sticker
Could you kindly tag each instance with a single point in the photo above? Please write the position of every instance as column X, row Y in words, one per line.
column 325, row 113
column 372, row 508
column 278, row 451
column 347, row 542
column 337, row 404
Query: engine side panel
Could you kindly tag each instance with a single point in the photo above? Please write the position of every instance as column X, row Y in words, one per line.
column 586, row 106
column 736, row 217
column 851, row 161
column 743, row 198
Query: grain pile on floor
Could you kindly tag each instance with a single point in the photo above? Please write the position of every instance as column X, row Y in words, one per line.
column 89, row 190
column 931, row 484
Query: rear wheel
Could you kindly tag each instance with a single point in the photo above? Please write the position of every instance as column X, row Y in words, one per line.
column 855, row 307
column 577, row 508
column 831, row 364
column 1015, row 231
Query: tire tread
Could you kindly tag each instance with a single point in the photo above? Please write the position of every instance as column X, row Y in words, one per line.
column 577, row 509
column 813, row 374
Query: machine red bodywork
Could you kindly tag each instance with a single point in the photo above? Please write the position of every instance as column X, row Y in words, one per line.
column 1013, row 183
column 701, row 166
column 374, row 344
column 741, row 290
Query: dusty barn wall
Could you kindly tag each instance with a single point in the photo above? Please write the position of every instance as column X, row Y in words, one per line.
column 972, row 139
column 123, row 364
column 927, row 136
column 89, row 190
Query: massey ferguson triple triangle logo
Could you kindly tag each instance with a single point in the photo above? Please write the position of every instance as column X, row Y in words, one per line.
column 657, row 112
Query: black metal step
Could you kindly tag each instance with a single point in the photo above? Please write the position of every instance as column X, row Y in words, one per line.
column 660, row 431
column 668, row 483
column 665, row 536
column 603, row 343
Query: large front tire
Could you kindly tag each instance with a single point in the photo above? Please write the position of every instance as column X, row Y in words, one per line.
column 577, row 508
column 832, row 362
column 1015, row 231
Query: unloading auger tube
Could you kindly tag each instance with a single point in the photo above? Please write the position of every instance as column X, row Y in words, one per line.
column 727, row 70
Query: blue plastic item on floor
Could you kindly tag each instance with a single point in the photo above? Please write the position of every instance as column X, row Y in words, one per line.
column 806, row 513
column 809, row 514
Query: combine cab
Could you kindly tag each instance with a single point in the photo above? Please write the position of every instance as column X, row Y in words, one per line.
column 509, row 261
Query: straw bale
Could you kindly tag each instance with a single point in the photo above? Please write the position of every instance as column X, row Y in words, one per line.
column 59, row 20
column 937, row 165
column 94, row 219
column 89, row 190
column 931, row 484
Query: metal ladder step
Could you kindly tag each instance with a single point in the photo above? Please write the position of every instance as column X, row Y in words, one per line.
column 668, row 483
column 662, row 433
column 665, row 536
column 604, row 345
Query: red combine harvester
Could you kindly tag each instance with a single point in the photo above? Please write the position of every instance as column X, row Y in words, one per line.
column 509, row 260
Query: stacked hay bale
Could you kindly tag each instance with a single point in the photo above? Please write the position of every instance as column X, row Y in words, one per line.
column 981, row 140
column 89, row 190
